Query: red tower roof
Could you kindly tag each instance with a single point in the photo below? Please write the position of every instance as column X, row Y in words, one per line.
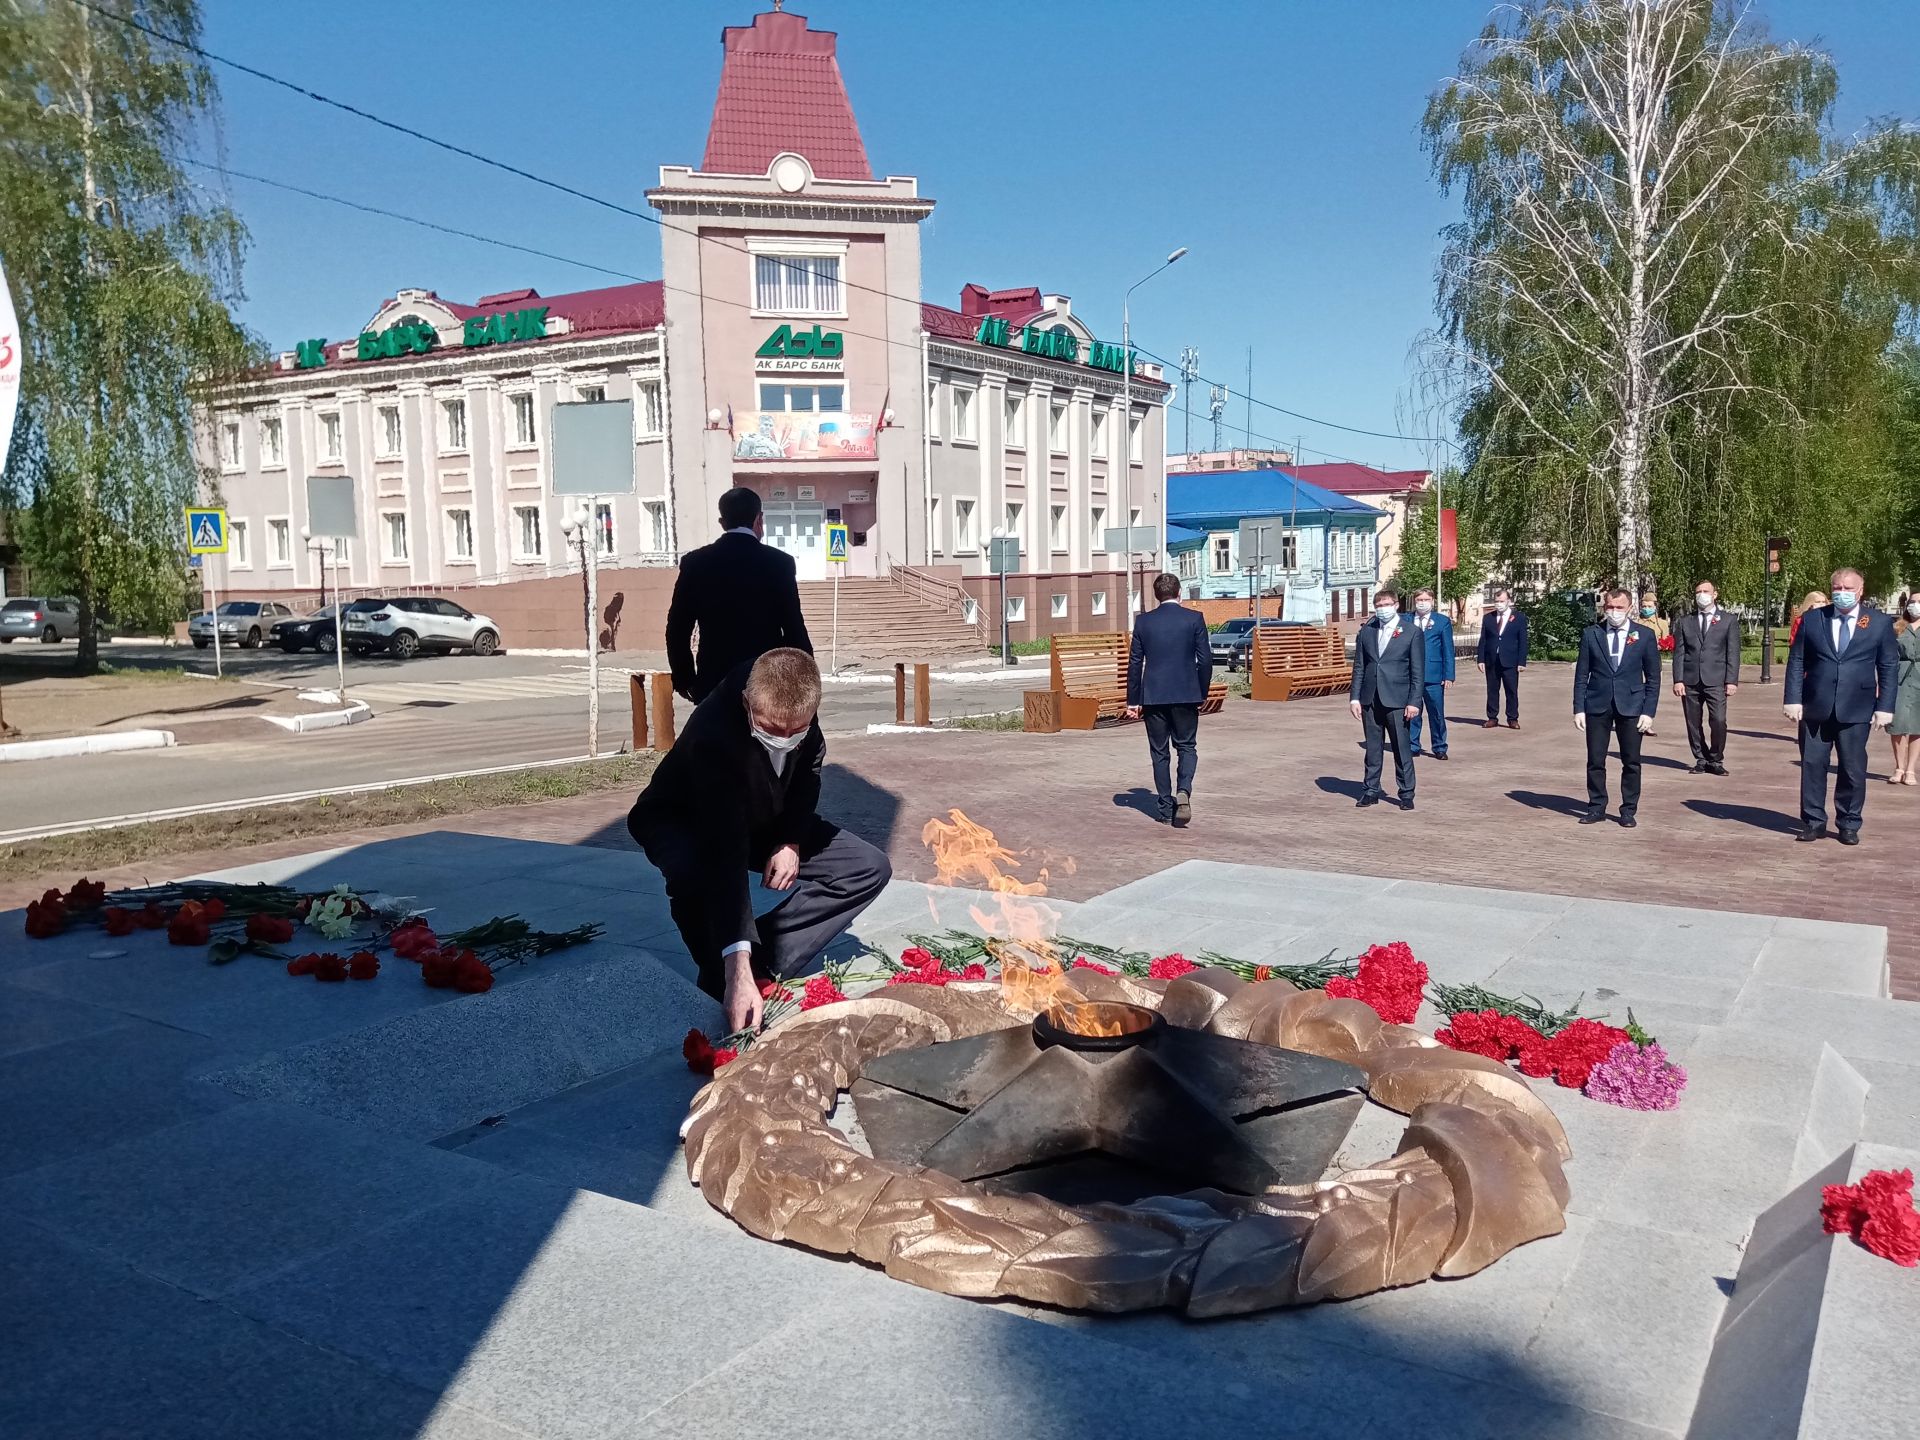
column 780, row 90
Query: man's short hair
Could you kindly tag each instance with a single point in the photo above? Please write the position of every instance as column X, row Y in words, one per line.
column 1708, row 583
column 1418, row 593
column 1386, row 592
column 1166, row 586
column 739, row 508
column 1500, row 590
column 1859, row 580
column 784, row 684
column 1626, row 595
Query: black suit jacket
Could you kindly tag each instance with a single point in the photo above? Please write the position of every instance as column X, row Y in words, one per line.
column 1170, row 661
column 1707, row 654
column 717, row 789
column 1509, row 649
column 743, row 597
column 1847, row 688
column 1633, row 689
column 1398, row 677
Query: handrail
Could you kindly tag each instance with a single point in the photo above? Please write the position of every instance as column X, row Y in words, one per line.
column 942, row 594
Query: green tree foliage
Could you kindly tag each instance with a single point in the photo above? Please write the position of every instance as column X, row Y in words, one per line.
column 1421, row 537
column 123, row 275
column 1668, row 311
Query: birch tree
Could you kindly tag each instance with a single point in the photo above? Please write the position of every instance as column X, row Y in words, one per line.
column 122, row 277
column 1648, row 186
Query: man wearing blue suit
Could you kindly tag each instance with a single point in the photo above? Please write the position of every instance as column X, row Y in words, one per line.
column 1437, row 631
column 1616, row 689
column 1501, row 656
column 1389, row 677
column 1168, row 671
column 1841, row 675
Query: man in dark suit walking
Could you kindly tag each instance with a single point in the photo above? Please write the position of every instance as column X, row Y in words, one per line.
column 1842, row 672
column 737, row 793
column 1501, row 656
column 741, row 595
column 1389, row 682
column 1706, row 670
column 1616, row 689
column 1169, row 667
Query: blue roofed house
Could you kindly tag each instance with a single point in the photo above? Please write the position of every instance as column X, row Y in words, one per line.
column 1327, row 559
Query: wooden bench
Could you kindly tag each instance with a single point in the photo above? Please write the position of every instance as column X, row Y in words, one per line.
column 1088, row 679
column 1297, row 660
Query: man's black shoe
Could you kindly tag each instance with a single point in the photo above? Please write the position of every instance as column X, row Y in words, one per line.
column 1716, row 768
column 1417, row 754
column 1811, row 832
column 1593, row 817
column 1439, row 754
column 1406, row 804
column 1699, row 767
column 1627, row 822
column 1849, row 837
column 1366, row 800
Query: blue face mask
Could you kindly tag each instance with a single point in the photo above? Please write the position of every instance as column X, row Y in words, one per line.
column 1845, row 599
column 1646, row 610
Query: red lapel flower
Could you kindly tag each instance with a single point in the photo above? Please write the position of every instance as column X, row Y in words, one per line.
column 1861, row 623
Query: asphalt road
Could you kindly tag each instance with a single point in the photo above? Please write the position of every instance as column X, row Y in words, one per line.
column 432, row 715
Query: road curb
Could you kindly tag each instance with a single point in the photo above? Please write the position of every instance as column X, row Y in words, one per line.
column 322, row 720
column 86, row 745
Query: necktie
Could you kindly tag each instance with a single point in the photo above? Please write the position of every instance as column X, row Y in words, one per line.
column 1846, row 636
column 1613, row 647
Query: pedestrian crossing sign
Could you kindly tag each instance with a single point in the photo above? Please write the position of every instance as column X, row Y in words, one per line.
column 837, row 542
column 206, row 531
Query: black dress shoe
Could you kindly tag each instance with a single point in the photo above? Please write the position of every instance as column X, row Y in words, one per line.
column 1417, row 754
column 1406, row 804
column 1716, row 769
column 1366, row 800
column 1627, row 822
column 1849, row 837
column 1513, row 724
column 1699, row 767
column 1439, row 754
column 1593, row 817
column 1490, row 725
column 1811, row 832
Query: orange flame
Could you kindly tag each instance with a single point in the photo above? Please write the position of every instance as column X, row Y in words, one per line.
column 1032, row 976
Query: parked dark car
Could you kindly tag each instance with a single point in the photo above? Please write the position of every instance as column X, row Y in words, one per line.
column 309, row 632
column 1221, row 641
column 1240, row 655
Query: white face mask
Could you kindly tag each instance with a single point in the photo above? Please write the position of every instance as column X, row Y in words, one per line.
column 1845, row 599
column 1913, row 610
column 1423, row 607
column 776, row 745
column 1703, row 600
column 1616, row 618
column 1384, row 614
column 1503, row 606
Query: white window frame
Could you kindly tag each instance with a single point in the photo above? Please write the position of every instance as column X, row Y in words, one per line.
column 1058, row 606
column 1099, row 432
column 1220, row 553
column 1136, row 439
column 607, row 535
column 1187, row 565
column 1098, row 529
column 275, row 459
column 933, row 525
column 966, row 415
column 963, row 512
column 649, row 410
column 933, row 409
column 1057, row 427
column 450, row 443
column 380, row 414
column 1289, row 550
column 279, row 528
column 1056, row 527
column 657, row 533
column 811, row 387
column 593, row 392
column 1016, row 413
column 389, row 555
column 1013, row 517
column 232, row 457
column 1016, row 608
column 454, row 556
column 1097, row 602
column 513, row 399
column 520, row 551
column 239, row 548
column 337, row 454
column 784, row 249
column 969, row 609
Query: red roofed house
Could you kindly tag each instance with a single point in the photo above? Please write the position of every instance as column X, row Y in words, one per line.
column 786, row 347
column 1389, row 490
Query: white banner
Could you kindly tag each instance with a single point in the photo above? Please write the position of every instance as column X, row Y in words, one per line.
column 10, row 357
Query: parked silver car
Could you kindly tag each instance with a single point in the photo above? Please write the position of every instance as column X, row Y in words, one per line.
column 242, row 622
column 404, row 625
column 49, row 619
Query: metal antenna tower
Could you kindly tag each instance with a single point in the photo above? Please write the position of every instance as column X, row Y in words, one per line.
column 1189, row 372
column 1217, row 407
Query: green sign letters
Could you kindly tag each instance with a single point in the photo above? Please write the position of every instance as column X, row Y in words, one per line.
column 499, row 329
column 1059, row 343
column 414, row 337
column 310, row 354
column 787, row 343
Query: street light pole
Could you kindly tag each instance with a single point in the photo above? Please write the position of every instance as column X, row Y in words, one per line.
column 1126, row 419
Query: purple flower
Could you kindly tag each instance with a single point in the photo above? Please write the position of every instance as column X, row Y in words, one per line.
column 1637, row 1078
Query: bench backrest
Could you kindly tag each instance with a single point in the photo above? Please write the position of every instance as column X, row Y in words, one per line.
column 1090, row 664
column 1298, row 647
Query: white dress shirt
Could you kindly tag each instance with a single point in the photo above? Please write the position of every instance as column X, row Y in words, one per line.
column 1842, row 626
column 1386, row 637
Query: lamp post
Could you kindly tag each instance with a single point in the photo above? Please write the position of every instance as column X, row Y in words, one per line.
column 339, row 631
column 580, row 524
column 1126, row 419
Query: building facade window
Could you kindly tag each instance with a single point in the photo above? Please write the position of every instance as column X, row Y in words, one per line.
column 933, row 409
column 330, row 443
column 1134, row 452
column 796, row 284
column 238, row 555
column 1016, row 607
column 453, row 424
column 657, row 526
column 389, row 431
column 963, row 525
column 1222, row 549
column 933, row 525
column 524, row 432
column 528, row 541
column 969, row 609
column 603, row 530
column 273, row 442
column 1059, row 607
column 460, row 534
column 1057, row 428
column 1097, row 602
column 1187, row 565
column 280, row 536
column 803, row 399
column 1097, row 527
column 648, row 412
column 1016, row 422
column 230, row 444
column 1099, row 434
column 1015, row 514
column 393, row 534
column 1289, row 550
column 590, row 394
column 1057, row 526
column 963, row 427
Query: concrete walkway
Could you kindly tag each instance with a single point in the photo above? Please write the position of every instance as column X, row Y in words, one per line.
column 244, row 1205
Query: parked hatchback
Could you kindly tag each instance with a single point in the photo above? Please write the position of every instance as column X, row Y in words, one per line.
column 49, row 619
column 405, row 625
column 245, row 622
column 1221, row 641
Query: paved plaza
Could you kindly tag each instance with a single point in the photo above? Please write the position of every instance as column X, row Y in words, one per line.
column 242, row 1205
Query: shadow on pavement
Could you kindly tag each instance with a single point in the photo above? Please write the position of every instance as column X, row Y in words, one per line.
column 1334, row 785
column 1746, row 815
column 1140, row 799
column 1559, row 804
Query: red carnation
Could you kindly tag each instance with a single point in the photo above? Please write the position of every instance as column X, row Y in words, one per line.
column 698, row 1052
column 935, row 977
column 1082, row 963
column 1389, row 980
column 1579, row 1047
column 150, row 916
column 1170, row 967
column 329, row 967
column 472, row 975
column 724, row 1056
column 53, row 898
column 86, row 894
column 1878, row 1212
column 363, row 965
column 1536, row 1060
column 189, row 928
column 916, row 957
column 1262, row 972
column 438, row 968
column 774, row 990
column 119, row 920
column 414, row 940
column 820, row 991
column 214, row 909
column 269, row 929
column 302, row 964
column 975, row 971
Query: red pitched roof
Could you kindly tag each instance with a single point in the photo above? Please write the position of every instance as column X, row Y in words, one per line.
column 780, row 89
column 1349, row 479
column 614, row 308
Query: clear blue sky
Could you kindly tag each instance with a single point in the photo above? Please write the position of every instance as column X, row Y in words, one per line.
column 1070, row 145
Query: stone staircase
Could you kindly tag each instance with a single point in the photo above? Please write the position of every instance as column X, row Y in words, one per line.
column 882, row 622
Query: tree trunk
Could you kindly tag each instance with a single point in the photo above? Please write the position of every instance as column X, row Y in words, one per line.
column 87, row 660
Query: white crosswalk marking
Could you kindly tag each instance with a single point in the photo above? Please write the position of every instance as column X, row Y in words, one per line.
column 504, row 687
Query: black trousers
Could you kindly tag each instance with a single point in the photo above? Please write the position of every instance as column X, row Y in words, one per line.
column 1503, row 677
column 1706, row 707
column 840, row 875
column 1817, row 742
column 1176, row 727
column 1387, row 725
column 1600, row 730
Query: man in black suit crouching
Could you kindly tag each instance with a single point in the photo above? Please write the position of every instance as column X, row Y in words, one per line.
column 1616, row 689
column 737, row 792
column 740, row 593
column 1389, row 681
column 1169, row 666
